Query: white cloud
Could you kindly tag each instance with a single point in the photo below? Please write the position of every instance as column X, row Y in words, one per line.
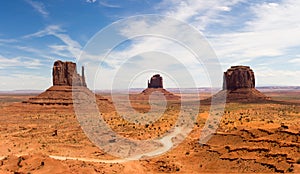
column 90, row 1
column 106, row 4
column 295, row 60
column 49, row 30
column 273, row 30
column 268, row 76
column 41, row 53
column 275, row 16
column 270, row 30
column 199, row 13
column 25, row 62
column 23, row 81
column 5, row 41
column 71, row 46
column 156, row 35
column 39, row 7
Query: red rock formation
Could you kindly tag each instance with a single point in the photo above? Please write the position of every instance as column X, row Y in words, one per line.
column 67, row 86
column 238, row 77
column 65, row 74
column 147, row 92
column 155, row 85
column 60, row 95
column 239, row 86
column 156, row 81
column 155, row 94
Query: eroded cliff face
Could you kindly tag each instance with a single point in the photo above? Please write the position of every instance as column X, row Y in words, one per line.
column 238, row 77
column 65, row 74
column 156, row 81
column 238, row 86
column 67, row 85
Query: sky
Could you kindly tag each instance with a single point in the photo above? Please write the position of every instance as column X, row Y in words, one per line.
column 262, row 34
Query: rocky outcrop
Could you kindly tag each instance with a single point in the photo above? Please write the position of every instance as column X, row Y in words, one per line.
column 147, row 92
column 65, row 74
column 155, row 87
column 238, row 77
column 67, row 86
column 61, row 95
column 241, row 95
column 238, row 86
column 150, row 95
column 156, row 81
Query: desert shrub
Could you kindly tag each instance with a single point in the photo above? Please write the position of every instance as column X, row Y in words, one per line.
column 290, row 169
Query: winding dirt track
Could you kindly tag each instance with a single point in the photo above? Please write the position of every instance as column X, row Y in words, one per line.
column 88, row 159
column 63, row 158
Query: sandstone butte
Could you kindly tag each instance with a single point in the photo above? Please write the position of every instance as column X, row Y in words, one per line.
column 156, row 81
column 155, row 84
column 65, row 74
column 67, row 83
column 239, row 86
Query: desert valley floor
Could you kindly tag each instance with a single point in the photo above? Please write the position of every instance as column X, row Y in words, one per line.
column 252, row 137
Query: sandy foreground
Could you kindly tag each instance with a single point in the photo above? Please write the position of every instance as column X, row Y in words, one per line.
column 262, row 137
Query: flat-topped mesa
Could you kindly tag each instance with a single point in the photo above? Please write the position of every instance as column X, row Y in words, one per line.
column 238, row 86
column 238, row 77
column 155, row 86
column 65, row 74
column 156, row 81
column 67, row 86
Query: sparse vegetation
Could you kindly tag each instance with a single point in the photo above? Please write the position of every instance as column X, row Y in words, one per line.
column 32, row 130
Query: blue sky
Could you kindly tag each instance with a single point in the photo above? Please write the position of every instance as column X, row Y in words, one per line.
column 262, row 34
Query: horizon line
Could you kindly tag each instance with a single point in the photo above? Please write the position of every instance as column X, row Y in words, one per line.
column 204, row 87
